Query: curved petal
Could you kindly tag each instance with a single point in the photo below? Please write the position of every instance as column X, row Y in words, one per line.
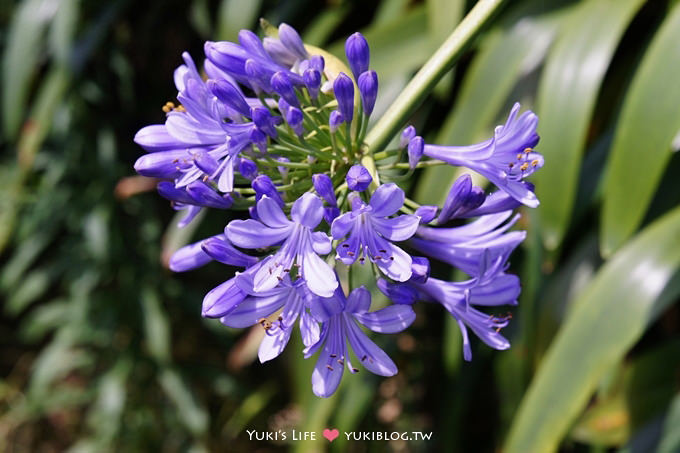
column 348, row 251
column 359, row 301
column 226, row 180
column 467, row 351
column 370, row 355
column 189, row 257
column 307, row 210
column 321, row 243
column 162, row 164
column 222, row 299
column 323, row 308
column 155, row 138
column 398, row 266
column 318, row 275
column 398, row 228
column 342, row 225
column 309, row 329
column 252, row 309
column 269, row 275
column 183, row 128
column 503, row 290
column 272, row 345
column 252, row 234
column 391, row 319
column 218, row 248
column 328, row 372
column 270, row 213
column 387, row 200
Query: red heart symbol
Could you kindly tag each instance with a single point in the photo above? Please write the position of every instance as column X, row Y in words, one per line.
column 331, row 434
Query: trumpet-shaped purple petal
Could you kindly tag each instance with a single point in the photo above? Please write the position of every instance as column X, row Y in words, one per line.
column 299, row 245
column 505, row 160
column 340, row 318
column 370, row 233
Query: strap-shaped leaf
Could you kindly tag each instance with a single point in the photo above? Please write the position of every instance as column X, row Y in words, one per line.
column 649, row 121
column 609, row 316
column 504, row 57
column 567, row 93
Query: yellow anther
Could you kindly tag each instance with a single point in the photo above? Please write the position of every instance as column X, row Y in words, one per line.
column 528, row 150
column 519, row 156
column 167, row 108
column 534, row 162
column 180, row 108
column 524, row 166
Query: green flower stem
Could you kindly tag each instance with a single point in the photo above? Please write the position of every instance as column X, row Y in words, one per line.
column 428, row 76
column 385, row 154
column 405, row 165
column 412, row 204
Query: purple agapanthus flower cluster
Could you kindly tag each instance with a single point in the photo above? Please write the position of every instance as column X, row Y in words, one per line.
column 274, row 129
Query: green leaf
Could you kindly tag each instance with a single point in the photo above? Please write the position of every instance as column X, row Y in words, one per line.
column 504, row 57
column 610, row 315
column 63, row 29
column 670, row 439
column 318, row 32
column 567, row 93
column 156, row 326
column 443, row 16
column 235, row 15
column 640, row 393
column 21, row 58
column 649, row 121
column 191, row 413
column 396, row 46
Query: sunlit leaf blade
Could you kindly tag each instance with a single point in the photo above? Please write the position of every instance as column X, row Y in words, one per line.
column 234, row 15
column 443, row 15
column 649, row 121
column 567, row 93
column 20, row 59
column 609, row 316
column 504, row 57
column 399, row 45
column 189, row 410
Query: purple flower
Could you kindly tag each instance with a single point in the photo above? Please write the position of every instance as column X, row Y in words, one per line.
column 292, row 299
column 490, row 287
column 299, row 248
column 264, row 185
column 427, row 213
column 202, row 252
column 343, row 88
column 368, row 89
column 358, row 54
column 312, row 79
column 505, row 160
column 225, row 297
column 282, row 85
column 466, row 246
column 462, row 198
column 406, row 136
column 415, row 151
column 294, row 119
column 340, row 318
column 493, row 287
column 358, row 178
column 324, row 187
column 371, row 232
column 335, row 120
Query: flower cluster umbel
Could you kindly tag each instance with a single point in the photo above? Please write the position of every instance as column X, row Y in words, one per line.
column 276, row 130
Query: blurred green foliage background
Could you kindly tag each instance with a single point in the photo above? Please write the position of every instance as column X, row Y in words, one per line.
column 104, row 349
